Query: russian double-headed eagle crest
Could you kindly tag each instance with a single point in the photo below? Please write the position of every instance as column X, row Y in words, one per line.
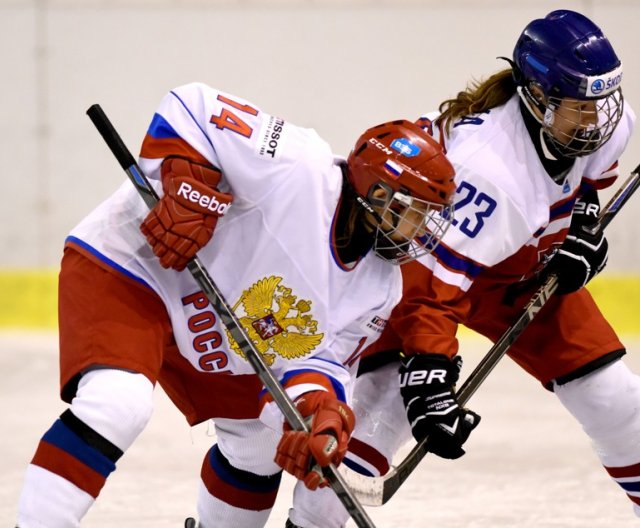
column 276, row 321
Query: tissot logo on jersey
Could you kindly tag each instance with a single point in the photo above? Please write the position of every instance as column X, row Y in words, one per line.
column 271, row 138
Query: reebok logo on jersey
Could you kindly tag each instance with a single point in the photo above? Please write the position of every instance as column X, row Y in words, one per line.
column 210, row 203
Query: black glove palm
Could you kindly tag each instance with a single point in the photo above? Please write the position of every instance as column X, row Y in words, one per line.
column 427, row 386
column 582, row 255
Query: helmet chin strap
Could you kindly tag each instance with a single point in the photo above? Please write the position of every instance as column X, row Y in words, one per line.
column 369, row 209
column 531, row 101
column 360, row 200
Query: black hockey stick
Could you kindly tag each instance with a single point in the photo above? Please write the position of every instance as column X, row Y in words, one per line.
column 227, row 315
column 376, row 491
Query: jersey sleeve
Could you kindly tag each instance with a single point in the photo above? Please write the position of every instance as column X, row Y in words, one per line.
column 426, row 319
column 602, row 168
column 254, row 150
column 489, row 228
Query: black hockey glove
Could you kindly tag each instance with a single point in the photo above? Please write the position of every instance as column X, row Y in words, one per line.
column 582, row 255
column 427, row 384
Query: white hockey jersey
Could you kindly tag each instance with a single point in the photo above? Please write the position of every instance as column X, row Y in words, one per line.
column 271, row 255
column 509, row 214
column 510, row 217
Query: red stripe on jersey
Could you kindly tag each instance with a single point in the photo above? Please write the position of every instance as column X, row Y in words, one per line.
column 230, row 494
column 61, row 463
column 606, row 179
column 634, row 499
column 371, row 455
column 602, row 183
column 624, row 471
column 154, row 148
column 559, row 206
column 312, row 378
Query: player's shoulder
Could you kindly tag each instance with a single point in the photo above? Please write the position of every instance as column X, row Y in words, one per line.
column 603, row 164
column 234, row 121
column 627, row 123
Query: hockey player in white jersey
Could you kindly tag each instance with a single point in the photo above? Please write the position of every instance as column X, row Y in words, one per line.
column 304, row 244
column 531, row 146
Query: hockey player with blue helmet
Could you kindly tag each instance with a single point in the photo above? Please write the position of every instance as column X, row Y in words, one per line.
column 565, row 57
column 531, row 146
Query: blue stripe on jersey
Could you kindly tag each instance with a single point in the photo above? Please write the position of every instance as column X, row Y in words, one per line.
column 539, row 232
column 561, row 209
column 240, row 479
column 64, row 438
column 586, row 186
column 195, row 121
column 106, row 259
column 460, row 264
column 339, row 365
column 357, row 467
column 630, row 486
column 161, row 129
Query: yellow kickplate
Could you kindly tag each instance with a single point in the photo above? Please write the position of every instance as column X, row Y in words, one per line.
column 28, row 300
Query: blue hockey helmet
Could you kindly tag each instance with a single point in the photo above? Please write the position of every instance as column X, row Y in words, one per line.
column 566, row 56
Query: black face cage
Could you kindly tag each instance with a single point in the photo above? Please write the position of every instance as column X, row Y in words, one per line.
column 422, row 235
column 591, row 128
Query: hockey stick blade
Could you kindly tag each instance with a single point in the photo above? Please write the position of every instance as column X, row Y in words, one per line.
column 376, row 491
column 227, row 315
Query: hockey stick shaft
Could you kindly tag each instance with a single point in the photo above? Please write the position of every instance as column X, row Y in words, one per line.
column 378, row 490
column 226, row 313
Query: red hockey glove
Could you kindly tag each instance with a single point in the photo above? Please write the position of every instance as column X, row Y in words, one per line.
column 183, row 221
column 303, row 454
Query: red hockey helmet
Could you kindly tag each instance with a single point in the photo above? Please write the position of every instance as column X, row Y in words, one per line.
column 405, row 161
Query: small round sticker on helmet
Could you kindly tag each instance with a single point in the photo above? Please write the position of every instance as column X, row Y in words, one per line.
column 405, row 147
column 597, row 86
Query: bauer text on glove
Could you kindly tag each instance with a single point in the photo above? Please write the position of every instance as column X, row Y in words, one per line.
column 427, row 385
